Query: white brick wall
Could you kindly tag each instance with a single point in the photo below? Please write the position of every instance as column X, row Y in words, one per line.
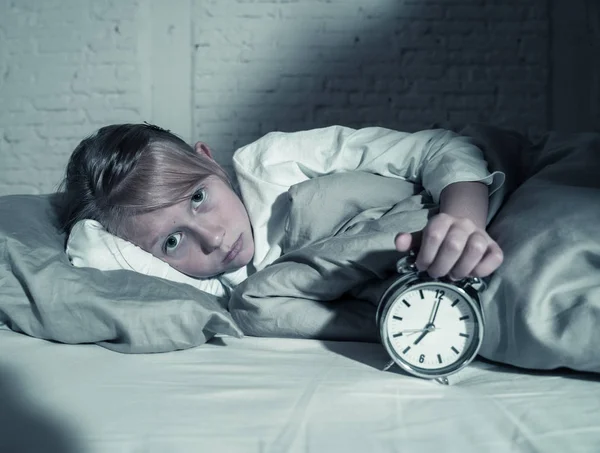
column 593, row 26
column 575, row 65
column 265, row 65
column 66, row 68
column 251, row 66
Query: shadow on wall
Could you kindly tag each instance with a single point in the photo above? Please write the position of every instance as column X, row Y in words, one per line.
column 25, row 427
column 398, row 64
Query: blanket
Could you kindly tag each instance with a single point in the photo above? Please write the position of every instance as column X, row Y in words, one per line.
column 339, row 245
column 541, row 305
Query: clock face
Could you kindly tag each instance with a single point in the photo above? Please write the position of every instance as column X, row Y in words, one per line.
column 432, row 329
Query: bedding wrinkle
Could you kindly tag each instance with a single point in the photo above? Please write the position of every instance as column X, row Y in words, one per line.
column 295, row 434
column 17, row 265
column 522, row 437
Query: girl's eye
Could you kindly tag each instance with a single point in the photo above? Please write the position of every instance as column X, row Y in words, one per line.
column 198, row 197
column 172, row 242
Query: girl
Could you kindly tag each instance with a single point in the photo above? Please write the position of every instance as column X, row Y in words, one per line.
column 147, row 186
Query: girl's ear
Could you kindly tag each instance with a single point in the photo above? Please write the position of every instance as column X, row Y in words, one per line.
column 202, row 148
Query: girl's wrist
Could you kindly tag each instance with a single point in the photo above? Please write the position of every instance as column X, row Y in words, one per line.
column 466, row 200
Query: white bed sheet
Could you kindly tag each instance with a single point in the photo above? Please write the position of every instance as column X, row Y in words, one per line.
column 275, row 396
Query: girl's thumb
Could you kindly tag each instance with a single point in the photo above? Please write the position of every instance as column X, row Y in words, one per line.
column 403, row 242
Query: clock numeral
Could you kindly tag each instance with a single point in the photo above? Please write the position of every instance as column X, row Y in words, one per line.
column 405, row 303
column 439, row 294
column 439, row 358
column 421, row 358
column 454, row 349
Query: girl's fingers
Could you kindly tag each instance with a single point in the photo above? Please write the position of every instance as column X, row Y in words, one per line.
column 403, row 242
column 472, row 255
column 453, row 247
column 490, row 262
column 432, row 238
column 450, row 251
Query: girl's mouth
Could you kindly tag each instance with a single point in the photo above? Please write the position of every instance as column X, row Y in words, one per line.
column 234, row 250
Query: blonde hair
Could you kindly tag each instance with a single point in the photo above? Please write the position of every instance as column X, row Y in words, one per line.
column 128, row 169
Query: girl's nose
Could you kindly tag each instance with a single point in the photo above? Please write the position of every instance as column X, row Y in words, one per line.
column 210, row 236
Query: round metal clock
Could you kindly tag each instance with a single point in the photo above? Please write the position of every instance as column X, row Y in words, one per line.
column 431, row 328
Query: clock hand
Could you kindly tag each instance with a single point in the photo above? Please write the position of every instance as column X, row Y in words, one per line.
column 413, row 331
column 429, row 328
column 434, row 311
column 421, row 336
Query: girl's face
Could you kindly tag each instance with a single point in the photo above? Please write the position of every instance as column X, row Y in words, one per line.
column 203, row 236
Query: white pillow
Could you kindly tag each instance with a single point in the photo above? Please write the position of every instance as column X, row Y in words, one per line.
column 90, row 245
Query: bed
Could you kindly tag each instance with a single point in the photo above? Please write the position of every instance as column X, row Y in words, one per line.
column 117, row 361
column 279, row 395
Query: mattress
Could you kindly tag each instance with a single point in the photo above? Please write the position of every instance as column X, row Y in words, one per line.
column 265, row 395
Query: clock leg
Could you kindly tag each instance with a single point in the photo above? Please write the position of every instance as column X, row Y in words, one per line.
column 389, row 365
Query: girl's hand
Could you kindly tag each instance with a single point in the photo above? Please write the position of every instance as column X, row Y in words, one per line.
column 452, row 246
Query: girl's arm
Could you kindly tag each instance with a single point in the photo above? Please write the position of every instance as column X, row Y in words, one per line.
column 468, row 200
column 267, row 168
column 432, row 158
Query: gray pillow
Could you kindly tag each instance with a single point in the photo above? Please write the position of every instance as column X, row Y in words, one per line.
column 543, row 304
column 43, row 295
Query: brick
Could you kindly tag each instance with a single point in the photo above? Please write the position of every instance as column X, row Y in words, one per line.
column 430, row 71
column 126, row 43
column 66, row 13
column 14, row 23
column 104, row 116
column 66, row 41
column 113, row 10
column 294, row 84
column 415, row 118
column 20, row 46
column 52, row 102
column 127, row 72
column 14, row 104
column 97, row 78
column 307, row 10
column 414, row 102
column 70, row 131
column 438, row 86
column 540, row 27
column 224, row 10
column 447, row 27
column 428, row 11
column 64, row 117
column 110, row 56
column 17, row 134
column 470, row 102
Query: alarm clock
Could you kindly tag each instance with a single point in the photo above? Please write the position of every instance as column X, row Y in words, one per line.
column 430, row 327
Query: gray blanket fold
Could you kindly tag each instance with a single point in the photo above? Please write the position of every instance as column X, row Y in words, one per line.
column 346, row 248
column 44, row 296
